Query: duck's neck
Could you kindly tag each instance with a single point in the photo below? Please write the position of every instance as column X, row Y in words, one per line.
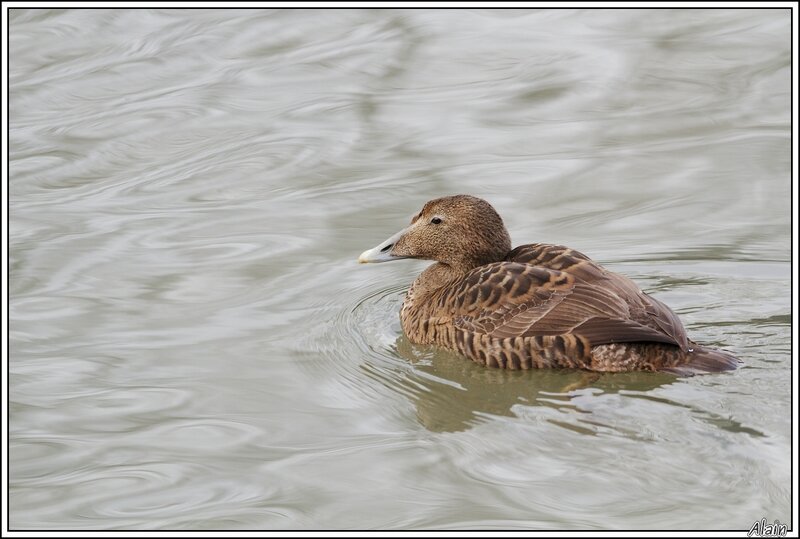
column 435, row 277
column 421, row 300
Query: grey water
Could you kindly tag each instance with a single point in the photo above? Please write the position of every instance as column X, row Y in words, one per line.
column 192, row 344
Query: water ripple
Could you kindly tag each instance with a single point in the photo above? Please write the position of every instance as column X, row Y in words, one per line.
column 193, row 345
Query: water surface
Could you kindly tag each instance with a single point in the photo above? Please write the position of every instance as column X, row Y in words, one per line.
column 193, row 345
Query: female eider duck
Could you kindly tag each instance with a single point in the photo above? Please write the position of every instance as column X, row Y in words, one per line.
column 535, row 306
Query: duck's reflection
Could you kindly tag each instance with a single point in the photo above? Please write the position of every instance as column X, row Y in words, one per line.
column 454, row 392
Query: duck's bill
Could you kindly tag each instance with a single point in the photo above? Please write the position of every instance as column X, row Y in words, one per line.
column 383, row 252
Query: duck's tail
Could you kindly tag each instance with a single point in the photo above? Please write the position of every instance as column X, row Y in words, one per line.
column 700, row 359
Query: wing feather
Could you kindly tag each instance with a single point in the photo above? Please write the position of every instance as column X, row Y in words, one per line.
column 551, row 290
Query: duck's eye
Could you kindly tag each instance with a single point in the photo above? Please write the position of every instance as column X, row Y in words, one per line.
column 436, row 221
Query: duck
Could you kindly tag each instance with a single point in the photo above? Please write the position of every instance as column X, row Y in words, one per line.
column 535, row 306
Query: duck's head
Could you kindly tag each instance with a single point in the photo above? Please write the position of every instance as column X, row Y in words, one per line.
column 461, row 231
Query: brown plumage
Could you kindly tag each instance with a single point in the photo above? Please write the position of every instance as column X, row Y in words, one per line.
column 535, row 306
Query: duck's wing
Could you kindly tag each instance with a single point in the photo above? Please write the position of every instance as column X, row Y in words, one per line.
column 643, row 308
column 511, row 299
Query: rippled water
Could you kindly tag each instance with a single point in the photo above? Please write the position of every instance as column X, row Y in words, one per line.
column 193, row 346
